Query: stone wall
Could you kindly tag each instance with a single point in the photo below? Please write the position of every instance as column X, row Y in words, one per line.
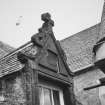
column 90, row 97
column 15, row 90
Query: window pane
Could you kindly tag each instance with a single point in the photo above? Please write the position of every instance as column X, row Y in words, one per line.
column 56, row 97
column 102, row 95
column 47, row 97
column 41, row 96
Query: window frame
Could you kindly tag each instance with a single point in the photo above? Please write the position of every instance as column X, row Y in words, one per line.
column 52, row 87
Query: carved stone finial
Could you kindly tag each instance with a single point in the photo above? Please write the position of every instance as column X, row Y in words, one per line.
column 46, row 30
column 46, row 17
column 48, row 23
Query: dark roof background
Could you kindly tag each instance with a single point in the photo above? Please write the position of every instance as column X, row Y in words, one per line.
column 78, row 48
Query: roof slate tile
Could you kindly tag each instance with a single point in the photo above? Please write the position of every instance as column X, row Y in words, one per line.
column 78, row 48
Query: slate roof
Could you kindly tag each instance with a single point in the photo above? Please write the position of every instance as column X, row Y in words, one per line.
column 9, row 63
column 78, row 48
column 5, row 49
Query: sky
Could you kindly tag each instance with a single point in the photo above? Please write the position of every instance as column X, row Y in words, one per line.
column 20, row 19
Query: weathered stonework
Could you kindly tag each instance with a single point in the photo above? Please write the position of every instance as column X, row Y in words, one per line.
column 13, row 91
column 42, row 58
column 16, row 89
column 81, row 81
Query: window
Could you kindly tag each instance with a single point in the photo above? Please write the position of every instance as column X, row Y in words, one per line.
column 102, row 95
column 50, row 95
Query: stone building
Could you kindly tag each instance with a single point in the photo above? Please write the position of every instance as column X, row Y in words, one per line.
column 80, row 59
column 41, row 66
column 36, row 73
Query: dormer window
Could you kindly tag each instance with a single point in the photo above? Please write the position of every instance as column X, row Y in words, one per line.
column 99, row 51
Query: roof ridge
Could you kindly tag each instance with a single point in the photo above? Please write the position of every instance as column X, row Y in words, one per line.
column 15, row 51
column 6, row 47
column 79, row 32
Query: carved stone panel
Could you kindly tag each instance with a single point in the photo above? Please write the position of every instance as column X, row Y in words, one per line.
column 49, row 60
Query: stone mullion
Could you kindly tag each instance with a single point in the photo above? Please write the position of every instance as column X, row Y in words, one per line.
column 32, row 89
column 28, row 84
column 35, row 88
